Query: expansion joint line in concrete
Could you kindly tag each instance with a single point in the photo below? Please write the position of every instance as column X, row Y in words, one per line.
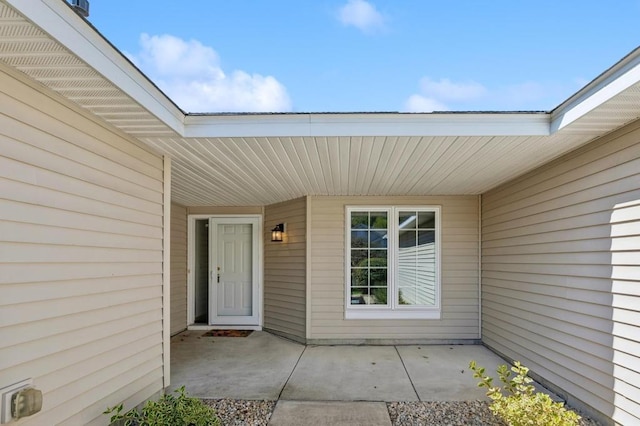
column 407, row 371
column 291, row 374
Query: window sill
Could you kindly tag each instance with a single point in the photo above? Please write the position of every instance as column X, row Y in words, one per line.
column 392, row 314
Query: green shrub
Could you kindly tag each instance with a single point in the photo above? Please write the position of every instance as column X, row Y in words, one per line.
column 180, row 410
column 517, row 403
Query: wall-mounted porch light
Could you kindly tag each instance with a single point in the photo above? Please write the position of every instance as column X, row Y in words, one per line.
column 277, row 232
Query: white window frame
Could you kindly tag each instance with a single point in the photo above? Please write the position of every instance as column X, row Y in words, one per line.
column 393, row 310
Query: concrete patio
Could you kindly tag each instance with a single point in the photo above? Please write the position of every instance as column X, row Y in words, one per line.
column 267, row 367
column 338, row 385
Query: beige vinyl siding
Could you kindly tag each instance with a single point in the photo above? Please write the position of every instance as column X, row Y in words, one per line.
column 459, row 273
column 285, row 277
column 178, row 268
column 81, row 228
column 561, row 273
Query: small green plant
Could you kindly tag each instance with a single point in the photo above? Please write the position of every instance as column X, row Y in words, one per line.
column 178, row 410
column 517, row 403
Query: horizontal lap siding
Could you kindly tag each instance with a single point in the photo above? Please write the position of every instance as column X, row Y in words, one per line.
column 285, row 277
column 459, row 272
column 178, row 268
column 80, row 258
column 561, row 275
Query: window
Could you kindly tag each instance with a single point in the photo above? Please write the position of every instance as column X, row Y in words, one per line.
column 393, row 262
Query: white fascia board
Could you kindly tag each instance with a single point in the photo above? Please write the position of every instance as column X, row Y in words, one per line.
column 59, row 21
column 374, row 124
column 612, row 82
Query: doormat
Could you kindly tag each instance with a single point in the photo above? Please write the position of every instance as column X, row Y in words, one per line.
column 228, row 333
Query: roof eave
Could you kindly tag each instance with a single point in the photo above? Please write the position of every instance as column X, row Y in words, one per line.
column 367, row 124
column 59, row 20
column 612, row 82
column 82, row 40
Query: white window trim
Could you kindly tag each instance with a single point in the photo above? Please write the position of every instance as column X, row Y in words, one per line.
column 392, row 310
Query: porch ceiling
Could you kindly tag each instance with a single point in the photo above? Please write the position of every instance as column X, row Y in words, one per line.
column 259, row 171
column 259, row 159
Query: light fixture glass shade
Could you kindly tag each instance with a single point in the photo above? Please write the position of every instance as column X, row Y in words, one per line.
column 276, row 233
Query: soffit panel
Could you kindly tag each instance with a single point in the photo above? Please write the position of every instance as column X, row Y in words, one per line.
column 262, row 171
column 27, row 48
column 610, row 115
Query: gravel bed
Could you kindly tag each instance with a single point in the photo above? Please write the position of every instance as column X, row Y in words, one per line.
column 234, row 412
column 473, row 413
column 441, row 413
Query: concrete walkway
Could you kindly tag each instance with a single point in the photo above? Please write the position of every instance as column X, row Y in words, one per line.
column 346, row 384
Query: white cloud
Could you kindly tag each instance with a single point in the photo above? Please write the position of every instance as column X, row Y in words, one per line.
column 436, row 95
column 419, row 103
column 190, row 74
column 362, row 15
column 447, row 95
column 447, row 90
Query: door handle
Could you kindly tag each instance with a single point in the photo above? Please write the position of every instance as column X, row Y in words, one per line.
column 218, row 278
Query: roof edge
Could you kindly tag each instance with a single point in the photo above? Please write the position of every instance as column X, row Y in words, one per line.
column 76, row 34
column 613, row 81
column 367, row 124
column 82, row 39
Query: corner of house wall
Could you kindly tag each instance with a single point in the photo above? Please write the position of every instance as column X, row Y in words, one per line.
column 308, row 208
column 166, row 273
column 480, row 267
column 287, row 336
column 568, row 398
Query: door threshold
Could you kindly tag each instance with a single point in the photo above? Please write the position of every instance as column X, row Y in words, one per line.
column 204, row 327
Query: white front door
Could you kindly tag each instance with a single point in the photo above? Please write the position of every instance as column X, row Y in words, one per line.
column 234, row 290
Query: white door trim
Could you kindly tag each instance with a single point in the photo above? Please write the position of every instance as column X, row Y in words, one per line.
column 255, row 219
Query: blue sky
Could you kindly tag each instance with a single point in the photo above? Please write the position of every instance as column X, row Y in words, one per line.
column 374, row 55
